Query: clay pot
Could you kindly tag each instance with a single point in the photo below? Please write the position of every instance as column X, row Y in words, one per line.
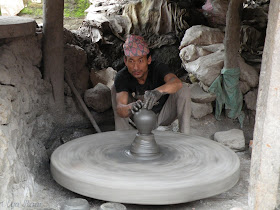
column 145, row 121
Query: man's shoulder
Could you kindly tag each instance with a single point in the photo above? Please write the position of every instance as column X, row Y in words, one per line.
column 123, row 80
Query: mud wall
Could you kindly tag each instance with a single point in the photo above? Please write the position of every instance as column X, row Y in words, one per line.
column 24, row 120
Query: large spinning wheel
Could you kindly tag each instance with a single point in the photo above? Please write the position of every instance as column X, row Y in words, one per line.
column 105, row 166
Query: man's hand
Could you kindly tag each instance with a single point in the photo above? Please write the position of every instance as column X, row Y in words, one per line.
column 136, row 106
column 151, row 97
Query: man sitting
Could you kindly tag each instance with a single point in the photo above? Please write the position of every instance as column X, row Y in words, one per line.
column 149, row 84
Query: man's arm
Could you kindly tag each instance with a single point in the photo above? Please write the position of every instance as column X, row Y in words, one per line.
column 172, row 84
column 123, row 108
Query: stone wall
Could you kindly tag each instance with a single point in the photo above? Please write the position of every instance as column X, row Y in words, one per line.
column 30, row 128
column 25, row 123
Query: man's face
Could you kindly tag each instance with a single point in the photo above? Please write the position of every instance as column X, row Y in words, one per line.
column 138, row 66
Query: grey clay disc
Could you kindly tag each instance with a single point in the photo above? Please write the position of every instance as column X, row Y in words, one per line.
column 188, row 168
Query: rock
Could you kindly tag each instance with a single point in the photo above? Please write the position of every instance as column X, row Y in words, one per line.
column 201, row 110
column 214, row 47
column 192, row 52
column 115, row 206
column 202, row 35
column 76, row 203
column 233, row 139
column 248, row 73
column 98, row 98
column 251, row 99
column 206, row 68
column 7, row 95
column 24, row 99
column 75, row 63
column 198, row 95
column 244, row 87
column 5, row 78
column 104, row 76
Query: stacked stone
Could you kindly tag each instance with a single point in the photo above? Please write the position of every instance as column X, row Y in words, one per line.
column 24, row 98
column 99, row 97
column 28, row 130
column 202, row 55
column 201, row 101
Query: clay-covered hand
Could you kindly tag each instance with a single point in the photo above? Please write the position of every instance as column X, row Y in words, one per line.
column 136, row 106
column 151, row 97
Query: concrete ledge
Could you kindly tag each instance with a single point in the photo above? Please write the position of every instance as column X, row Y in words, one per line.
column 15, row 26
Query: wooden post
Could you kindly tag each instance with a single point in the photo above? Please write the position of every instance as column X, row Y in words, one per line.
column 265, row 163
column 53, row 49
column 232, row 34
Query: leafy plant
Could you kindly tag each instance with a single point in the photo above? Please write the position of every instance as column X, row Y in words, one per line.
column 78, row 10
column 72, row 8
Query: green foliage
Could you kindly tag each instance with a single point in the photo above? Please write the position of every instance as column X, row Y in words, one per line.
column 76, row 9
column 31, row 11
column 72, row 8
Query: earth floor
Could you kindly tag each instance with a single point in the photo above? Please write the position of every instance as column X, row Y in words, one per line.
column 68, row 23
column 51, row 195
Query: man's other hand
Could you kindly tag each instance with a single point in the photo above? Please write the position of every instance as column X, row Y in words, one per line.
column 136, row 106
column 151, row 97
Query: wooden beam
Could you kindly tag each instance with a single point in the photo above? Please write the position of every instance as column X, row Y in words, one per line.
column 53, row 49
column 232, row 34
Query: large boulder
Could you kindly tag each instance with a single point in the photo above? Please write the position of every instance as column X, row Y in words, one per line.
column 201, row 35
column 244, row 87
column 248, row 73
column 251, row 99
column 98, row 98
column 192, row 52
column 198, row 95
column 214, row 47
column 206, row 68
column 75, row 61
column 233, row 139
column 201, row 110
column 104, row 76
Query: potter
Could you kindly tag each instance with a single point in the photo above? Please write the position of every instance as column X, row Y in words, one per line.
column 149, row 84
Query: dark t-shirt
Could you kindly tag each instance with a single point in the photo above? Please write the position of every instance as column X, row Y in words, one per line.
column 124, row 81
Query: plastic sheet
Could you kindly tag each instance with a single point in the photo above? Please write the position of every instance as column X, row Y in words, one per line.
column 226, row 88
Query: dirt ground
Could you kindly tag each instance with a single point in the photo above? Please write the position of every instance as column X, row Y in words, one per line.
column 69, row 23
column 50, row 195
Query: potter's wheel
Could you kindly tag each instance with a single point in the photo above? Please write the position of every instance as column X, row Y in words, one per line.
column 187, row 168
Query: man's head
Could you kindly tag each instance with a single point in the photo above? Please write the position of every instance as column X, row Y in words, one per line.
column 137, row 56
